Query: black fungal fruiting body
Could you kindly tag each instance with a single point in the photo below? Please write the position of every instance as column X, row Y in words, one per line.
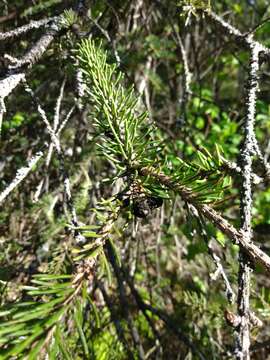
column 154, row 202
column 139, row 202
column 142, row 206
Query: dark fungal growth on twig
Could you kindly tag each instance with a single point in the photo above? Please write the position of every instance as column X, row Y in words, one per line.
column 143, row 206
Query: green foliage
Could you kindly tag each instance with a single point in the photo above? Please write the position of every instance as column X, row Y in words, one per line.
column 106, row 346
column 204, row 176
column 125, row 141
column 16, row 121
column 107, row 212
column 30, row 322
column 69, row 18
column 116, row 116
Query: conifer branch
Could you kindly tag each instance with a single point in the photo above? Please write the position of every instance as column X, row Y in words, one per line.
column 31, row 326
column 237, row 236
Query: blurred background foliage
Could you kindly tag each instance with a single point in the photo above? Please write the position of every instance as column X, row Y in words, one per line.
column 165, row 255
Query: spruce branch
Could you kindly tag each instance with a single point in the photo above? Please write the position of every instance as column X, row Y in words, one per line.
column 108, row 96
column 97, row 236
column 116, row 117
column 34, row 326
column 124, row 140
column 28, row 328
column 237, row 236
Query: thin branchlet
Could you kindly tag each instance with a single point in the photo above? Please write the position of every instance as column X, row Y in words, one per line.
column 242, row 39
column 26, row 28
column 56, row 142
column 21, row 174
column 216, row 259
column 247, row 151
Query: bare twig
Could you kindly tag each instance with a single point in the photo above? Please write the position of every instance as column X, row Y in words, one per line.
column 233, row 169
column 58, row 132
column 7, row 17
column 261, row 158
column 56, row 142
column 9, row 83
column 25, row 28
column 243, row 337
column 216, row 259
column 16, row 72
column 186, row 76
column 243, row 39
column 56, row 120
column 258, row 26
column 37, row 50
column 21, row 175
